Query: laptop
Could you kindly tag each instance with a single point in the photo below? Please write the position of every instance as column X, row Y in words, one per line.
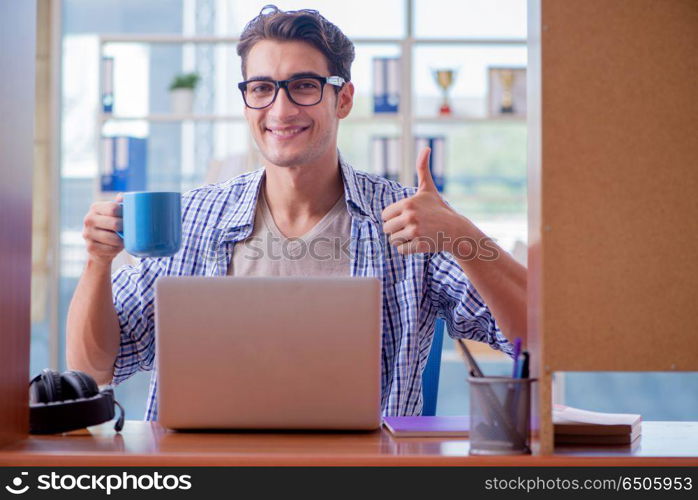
column 268, row 353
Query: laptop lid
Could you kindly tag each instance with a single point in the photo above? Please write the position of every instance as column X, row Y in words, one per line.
column 268, row 352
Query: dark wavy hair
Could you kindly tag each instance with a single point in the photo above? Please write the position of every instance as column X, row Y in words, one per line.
column 304, row 25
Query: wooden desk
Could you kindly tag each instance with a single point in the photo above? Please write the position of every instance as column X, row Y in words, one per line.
column 148, row 444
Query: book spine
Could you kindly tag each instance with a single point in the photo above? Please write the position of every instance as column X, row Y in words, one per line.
column 137, row 156
column 385, row 152
column 107, row 84
column 437, row 162
column 378, row 85
column 107, row 177
column 437, row 159
column 393, row 84
column 595, row 438
column 377, row 155
column 394, row 155
column 120, row 163
column 124, row 159
column 386, row 84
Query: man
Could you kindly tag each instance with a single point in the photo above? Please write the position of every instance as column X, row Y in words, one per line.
column 297, row 87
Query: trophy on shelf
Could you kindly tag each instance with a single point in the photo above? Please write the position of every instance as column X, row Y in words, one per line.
column 506, row 77
column 506, row 92
column 444, row 79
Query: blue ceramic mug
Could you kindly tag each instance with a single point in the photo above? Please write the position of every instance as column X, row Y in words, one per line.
column 152, row 223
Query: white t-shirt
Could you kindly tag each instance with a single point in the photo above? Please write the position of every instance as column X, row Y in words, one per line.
column 322, row 251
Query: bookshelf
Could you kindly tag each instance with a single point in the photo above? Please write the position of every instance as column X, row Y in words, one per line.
column 174, row 118
column 406, row 120
column 381, row 117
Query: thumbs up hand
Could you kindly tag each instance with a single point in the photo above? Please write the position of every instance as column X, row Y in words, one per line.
column 423, row 222
column 424, row 178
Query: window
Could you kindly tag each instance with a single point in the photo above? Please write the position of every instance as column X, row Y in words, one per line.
column 485, row 160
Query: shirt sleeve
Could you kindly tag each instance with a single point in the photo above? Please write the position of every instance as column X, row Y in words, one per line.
column 460, row 305
column 133, row 291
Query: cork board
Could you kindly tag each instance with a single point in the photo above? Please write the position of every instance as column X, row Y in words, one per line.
column 619, row 185
column 613, row 189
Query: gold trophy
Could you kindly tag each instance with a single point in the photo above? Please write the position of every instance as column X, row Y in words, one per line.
column 444, row 79
column 506, row 77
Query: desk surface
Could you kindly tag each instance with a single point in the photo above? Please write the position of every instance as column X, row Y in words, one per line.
column 148, row 444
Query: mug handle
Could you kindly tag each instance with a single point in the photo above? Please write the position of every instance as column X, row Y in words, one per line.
column 120, row 233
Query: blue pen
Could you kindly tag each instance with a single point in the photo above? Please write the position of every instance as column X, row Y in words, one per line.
column 519, row 366
column 517, row 353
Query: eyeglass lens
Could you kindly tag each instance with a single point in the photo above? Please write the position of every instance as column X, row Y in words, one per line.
column 304, row 91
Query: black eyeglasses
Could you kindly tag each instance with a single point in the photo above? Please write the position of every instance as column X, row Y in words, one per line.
column 301, row 90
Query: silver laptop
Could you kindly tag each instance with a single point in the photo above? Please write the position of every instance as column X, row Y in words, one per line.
column 268, row 353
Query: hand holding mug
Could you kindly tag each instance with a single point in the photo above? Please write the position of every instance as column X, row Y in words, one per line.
column 99, row 230
column 146, row 224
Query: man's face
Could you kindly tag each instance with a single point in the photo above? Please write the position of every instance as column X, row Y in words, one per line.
column 289, row 135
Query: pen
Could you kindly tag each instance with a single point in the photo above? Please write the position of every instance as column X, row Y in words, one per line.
column 517, row 353
column 475, row 370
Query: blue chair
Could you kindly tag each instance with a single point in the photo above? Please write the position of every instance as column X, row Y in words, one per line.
column 430, row 377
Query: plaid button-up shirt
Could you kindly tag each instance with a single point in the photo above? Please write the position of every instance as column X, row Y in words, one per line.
column 417, row 288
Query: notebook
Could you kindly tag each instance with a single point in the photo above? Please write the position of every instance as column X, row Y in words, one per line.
column 597, row 439
column 443, row 426
column 568, row 420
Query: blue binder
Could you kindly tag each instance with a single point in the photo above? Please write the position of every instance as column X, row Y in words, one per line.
column 437, row 159
column 125, row 160
column 386, row 84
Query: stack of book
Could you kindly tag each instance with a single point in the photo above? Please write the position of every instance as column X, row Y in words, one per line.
column 575, row 426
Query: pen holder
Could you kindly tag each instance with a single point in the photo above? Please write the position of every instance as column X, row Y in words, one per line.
column 500, row 415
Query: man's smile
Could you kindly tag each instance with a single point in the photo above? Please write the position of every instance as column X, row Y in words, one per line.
column 286, row 132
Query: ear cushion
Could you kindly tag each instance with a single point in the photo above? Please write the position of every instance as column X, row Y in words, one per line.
column 48, row 387
column 77, row 384
column 36, row 390
column 77, row 402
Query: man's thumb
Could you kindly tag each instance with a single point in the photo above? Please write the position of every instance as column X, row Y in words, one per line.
column 425, row 180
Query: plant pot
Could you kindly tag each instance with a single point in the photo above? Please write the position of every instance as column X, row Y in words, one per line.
column 182, row 101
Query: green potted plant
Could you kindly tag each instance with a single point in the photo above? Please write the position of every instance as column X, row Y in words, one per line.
column 182, row 92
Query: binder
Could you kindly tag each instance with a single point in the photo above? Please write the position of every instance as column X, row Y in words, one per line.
column 124, row 159
column 386, row 156
column 107, row 84
column 437, row 159
column 386, row 84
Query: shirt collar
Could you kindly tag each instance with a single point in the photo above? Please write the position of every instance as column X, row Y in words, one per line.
column 244, row 211
column 356, row 200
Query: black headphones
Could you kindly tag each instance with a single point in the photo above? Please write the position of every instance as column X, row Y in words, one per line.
column 61, row 402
